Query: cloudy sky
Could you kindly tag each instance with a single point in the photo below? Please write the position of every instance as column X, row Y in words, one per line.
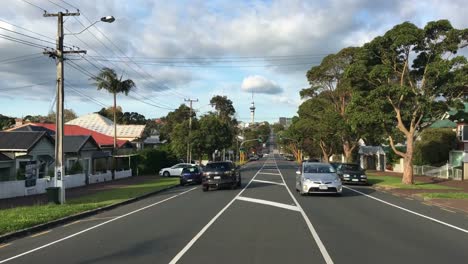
column 190, row 49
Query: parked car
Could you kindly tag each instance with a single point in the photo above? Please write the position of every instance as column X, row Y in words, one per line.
column 350, row 173
column 191, row 175
column 254, row 158
column 316, row 177
column 221, row 174
column 175, row 170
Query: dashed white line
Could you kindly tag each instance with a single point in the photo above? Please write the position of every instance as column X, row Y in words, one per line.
column 269, row 173
column 269, row 182
column 93, row 227
column 270, row 203
column 312, row 230
column 409, row 211
column 203, row 230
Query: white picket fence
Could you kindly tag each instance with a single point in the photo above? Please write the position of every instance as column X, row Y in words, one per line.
column 447, row 171
column 11, row 189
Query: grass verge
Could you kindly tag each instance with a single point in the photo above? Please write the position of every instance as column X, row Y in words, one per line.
column 395, row 182
column 449, row 195
column 23, row 217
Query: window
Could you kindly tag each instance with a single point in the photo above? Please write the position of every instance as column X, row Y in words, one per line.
column 318, row 168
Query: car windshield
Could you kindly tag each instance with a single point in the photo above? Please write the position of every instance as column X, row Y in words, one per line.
column 220, row 166
column 351, row 167
column 318, row 168
column 190, row 170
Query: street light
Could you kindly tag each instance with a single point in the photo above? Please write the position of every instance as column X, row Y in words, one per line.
column 107, row 19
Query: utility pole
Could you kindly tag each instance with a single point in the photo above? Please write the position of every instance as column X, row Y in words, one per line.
column 189, row 151
column 58, row 54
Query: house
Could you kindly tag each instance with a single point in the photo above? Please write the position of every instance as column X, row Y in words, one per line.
column 457, row 119
column 103, row 125
column 372, row 158
column 25, row 152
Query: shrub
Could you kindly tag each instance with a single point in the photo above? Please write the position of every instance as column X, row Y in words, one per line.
column 434, row 146
column 150, row 161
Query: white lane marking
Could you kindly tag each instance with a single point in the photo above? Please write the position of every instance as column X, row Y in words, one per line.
column 409, row 211
column 268, row 173
column 275, row 204
column 314, row 233
column 270, row 182
column 203, row 230
column 93, row 227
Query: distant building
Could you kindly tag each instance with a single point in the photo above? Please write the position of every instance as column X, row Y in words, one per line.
column 285, row 121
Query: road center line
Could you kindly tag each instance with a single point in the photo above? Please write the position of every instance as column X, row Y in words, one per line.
column 269, row 182
column 314, row 233
column 409, row 211
column 269, row 173
column 203, row 230
column 93, row 227
column 275, row 204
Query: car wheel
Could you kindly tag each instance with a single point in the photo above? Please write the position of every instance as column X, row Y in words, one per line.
column 239, row 183
column 205, row 188
column 166, row 174
column 182, row 183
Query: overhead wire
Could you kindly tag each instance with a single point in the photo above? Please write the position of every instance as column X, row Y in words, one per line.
column 24, row 42
column 35, row 5
column 13, row 59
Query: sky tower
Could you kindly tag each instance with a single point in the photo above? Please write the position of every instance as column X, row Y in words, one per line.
column 252, row 111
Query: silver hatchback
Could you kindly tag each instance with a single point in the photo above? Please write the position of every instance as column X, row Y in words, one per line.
column 315, row 177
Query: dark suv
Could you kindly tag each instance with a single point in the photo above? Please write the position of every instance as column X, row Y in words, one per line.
column 221, row 174
column 350, row 173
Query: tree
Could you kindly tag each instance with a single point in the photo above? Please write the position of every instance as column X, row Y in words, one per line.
column 212, row 135
column 330, row 82
column 108, row 80
column 434, row 146
column 400, row 74
column 173, row 118
column 277, row 127
column 6, row 122
column 68, row 115
column 224, row 107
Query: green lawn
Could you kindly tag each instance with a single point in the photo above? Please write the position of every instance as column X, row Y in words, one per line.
column 22, row 217
column 450, row 195
column 395, row 182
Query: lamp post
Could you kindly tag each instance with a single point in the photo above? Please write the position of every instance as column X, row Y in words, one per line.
column 58, row 54
column 107, row 19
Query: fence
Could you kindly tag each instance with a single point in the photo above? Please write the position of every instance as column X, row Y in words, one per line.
column 11, row 189
column 446, row 172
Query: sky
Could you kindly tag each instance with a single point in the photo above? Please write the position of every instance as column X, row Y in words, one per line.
column 176, row 50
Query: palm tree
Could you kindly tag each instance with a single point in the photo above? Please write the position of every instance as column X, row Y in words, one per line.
column 108, row 80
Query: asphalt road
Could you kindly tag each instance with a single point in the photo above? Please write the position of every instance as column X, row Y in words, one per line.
column 264, row 221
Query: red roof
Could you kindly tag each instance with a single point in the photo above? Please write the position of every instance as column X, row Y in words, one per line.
column 70, row 130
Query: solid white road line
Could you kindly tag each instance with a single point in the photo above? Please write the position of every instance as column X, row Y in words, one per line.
column 203, row 230
column 93, row 227
column 314, row 233
column 275, row 204
column 270, row 182
column 409, row 211
column 268, row 173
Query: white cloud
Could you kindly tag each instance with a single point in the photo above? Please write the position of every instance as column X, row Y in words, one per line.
column 260, row 84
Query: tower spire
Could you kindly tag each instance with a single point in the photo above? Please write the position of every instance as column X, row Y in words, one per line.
column 252, row 110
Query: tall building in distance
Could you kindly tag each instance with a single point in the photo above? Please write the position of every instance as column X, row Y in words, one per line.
column 252, row 112
column 285, row 121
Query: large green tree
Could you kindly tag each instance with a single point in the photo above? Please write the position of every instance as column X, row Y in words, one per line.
column 108, row 80
column 400, row 74
column 213, row 134
column 173, row 118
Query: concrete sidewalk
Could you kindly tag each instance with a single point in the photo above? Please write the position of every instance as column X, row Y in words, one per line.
column 455, row 204
column 74, row 192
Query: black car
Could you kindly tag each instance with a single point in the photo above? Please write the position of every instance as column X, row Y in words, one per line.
column 350, row 173
column 221, row 174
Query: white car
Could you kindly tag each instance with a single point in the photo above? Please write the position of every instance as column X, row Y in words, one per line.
column 315, row 177
column 175, row 170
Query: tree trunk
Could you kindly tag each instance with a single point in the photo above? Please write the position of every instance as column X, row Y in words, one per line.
column 348, row 149
column 408, row 159
column 326, row 156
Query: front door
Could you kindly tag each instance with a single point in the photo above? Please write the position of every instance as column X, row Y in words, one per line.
column 86, row 169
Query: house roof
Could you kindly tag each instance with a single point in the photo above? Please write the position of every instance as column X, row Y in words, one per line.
column 443, row 124
column 74, row 144
column 371, row 150
column 21, row 141
column 70, row 130
column 101, row 124
column 101, row 139
column 4, row 157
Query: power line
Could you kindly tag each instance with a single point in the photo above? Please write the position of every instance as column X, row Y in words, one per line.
column 18, row 57
column 58, row 5
column 26, row 86
column 35, row 5
column 24, row 42
column 22, row 60
column 70, row 5
column 28, row 36
column 31, row 31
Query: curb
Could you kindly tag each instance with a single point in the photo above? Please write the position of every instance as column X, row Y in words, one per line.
column 34, row 229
